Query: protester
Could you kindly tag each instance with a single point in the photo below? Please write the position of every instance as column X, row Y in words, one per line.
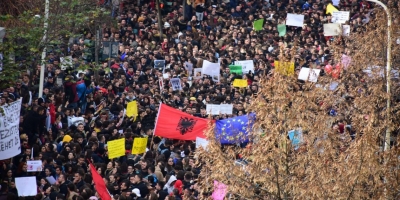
column 69, row 128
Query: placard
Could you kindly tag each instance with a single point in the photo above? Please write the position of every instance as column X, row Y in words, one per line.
column 176, row 84
column 9, row 130
column 201, row 142
column 77, row 120
column 308, row 74
column 65, row 62
column 294, row 20
column 247, row 65
column 211, row 69
column 139, row 145
column 159, row 64
column 26, row 186
column 332, row 29
column 34, row 165
column 116, row 148
column 340, row 17
column 189, row 68
column 346, row 30
column 215, row 109
column 197, row 73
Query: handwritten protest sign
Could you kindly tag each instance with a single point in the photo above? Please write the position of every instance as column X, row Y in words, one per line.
column 139, row 145
column 340, row 17
column 116, row 148
column 9, row 130
column 34, row 165
column 26, row 186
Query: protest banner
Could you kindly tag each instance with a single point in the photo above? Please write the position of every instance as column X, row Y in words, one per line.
column 236, row 69
column 294, row 20
column 116, row 148
column 132, row 109
column 176, row 84
column 240, row 83
column 216, row 109
column 9, row 130
column 26, row 186
column 139, row 145
column 34, row 165
column 247, row 65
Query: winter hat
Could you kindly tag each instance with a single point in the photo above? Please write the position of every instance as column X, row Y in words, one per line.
column 67, row 138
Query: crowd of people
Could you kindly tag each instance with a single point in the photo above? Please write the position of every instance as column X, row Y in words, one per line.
column 80, row 111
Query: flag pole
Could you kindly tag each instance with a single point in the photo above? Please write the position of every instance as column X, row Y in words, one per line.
column 155, row 126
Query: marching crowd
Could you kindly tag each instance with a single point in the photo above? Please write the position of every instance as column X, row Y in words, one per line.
column 80, row 111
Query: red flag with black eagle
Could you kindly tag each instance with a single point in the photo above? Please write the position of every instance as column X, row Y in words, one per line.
column 99, row 184
column 174, row 124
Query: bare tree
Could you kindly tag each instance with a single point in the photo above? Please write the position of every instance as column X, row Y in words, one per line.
column 329, row 163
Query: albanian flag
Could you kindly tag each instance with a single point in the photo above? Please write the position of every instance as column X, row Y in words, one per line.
column 174, row 124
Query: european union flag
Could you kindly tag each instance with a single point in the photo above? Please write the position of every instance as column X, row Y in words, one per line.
column 234, row 130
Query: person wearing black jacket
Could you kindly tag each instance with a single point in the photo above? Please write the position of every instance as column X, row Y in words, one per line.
column 138, row 183
column 63, row 184
column 159, row 188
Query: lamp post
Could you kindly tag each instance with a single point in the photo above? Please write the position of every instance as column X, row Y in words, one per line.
column 43, row 65
column 388, row 70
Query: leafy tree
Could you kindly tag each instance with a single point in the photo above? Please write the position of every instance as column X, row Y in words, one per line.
column 24, row 21
column 326, row 164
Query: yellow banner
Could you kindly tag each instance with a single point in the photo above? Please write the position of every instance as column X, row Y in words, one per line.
column 240, row 83
column 116, row 148
column 284, row 68
column 139, row 145
column 132, row 109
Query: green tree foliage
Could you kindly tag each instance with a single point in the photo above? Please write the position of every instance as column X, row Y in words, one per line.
column 23, row 20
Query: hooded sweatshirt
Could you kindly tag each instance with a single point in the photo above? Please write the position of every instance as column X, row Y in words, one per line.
column 169, row 186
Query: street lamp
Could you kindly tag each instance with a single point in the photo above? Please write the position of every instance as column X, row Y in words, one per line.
column 388, row 70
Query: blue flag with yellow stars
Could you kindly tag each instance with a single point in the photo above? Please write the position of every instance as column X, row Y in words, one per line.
column 234, row 130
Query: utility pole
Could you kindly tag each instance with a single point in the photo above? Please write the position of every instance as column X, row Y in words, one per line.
column 159, row 18
column 45, row 26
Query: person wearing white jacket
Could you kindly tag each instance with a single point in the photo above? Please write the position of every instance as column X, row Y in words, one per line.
column 170, row 184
